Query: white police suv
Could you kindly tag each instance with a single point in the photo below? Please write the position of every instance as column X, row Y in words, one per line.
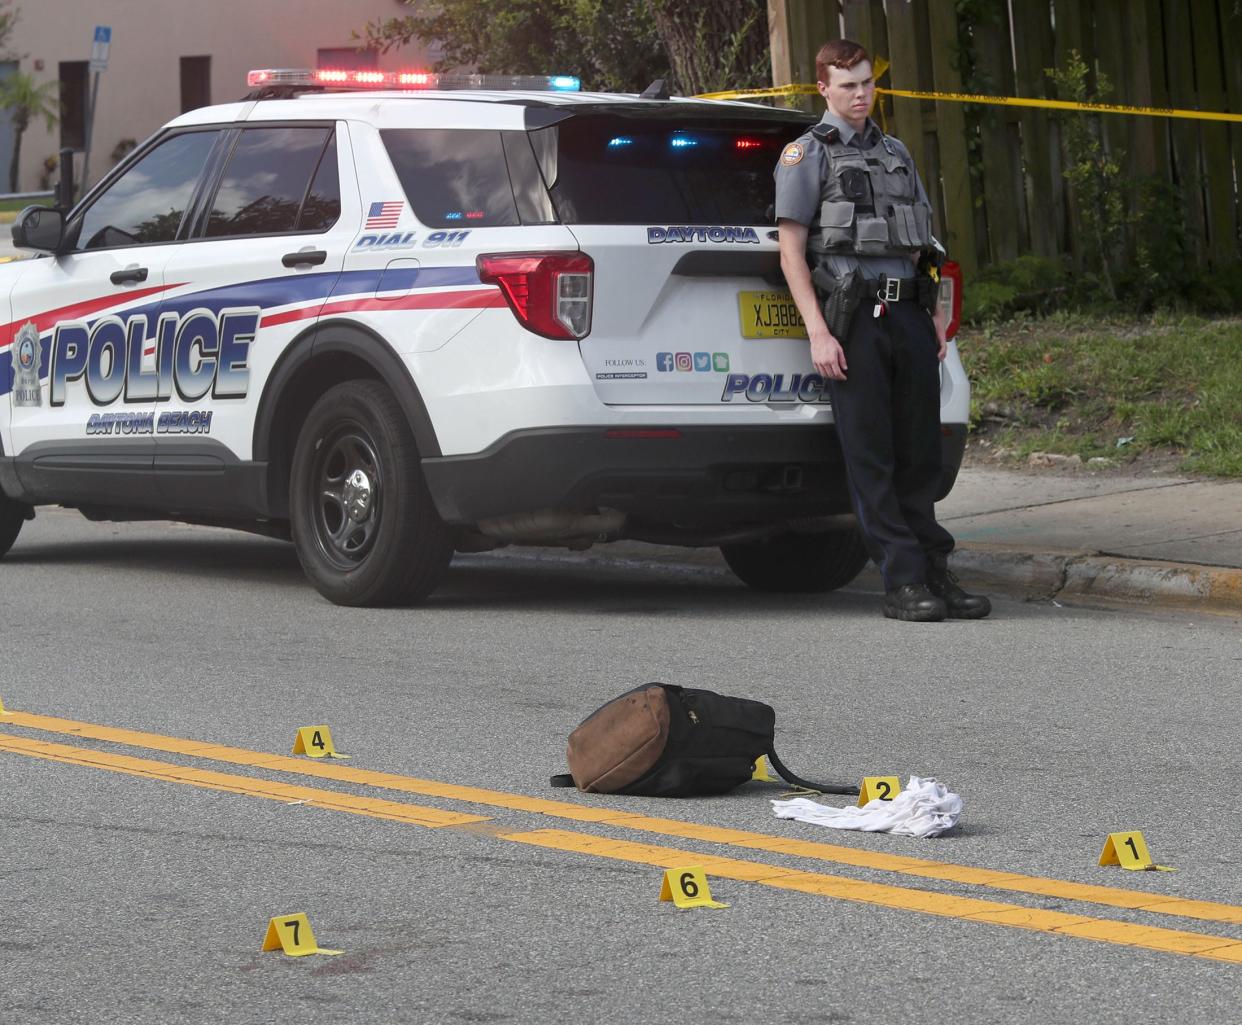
column 396, row 323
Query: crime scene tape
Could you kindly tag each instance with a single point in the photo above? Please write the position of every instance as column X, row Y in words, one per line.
column 1001, row 101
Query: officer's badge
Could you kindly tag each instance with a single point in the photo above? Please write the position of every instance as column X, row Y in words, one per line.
column 26, row 390
column 792, row 153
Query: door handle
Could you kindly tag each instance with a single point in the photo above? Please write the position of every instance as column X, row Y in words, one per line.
column 129, row 276
column 310, row 257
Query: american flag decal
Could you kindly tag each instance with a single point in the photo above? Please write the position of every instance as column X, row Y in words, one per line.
column 383, row 215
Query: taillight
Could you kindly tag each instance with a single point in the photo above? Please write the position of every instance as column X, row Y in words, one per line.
column 950, row 298
column 550, row 293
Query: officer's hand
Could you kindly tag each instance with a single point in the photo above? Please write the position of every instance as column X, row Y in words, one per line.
column 941, row 340
column 827, row 355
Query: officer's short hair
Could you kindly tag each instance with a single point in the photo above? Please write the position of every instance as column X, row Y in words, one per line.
column 839, row 53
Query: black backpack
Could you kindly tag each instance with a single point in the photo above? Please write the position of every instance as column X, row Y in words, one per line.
column 660, row 740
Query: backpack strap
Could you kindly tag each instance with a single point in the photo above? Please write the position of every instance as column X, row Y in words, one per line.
column 798, row 781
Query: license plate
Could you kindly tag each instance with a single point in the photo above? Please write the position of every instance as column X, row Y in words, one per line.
column 770, row 315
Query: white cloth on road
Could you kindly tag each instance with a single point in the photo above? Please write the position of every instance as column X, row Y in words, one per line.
column 924, row 808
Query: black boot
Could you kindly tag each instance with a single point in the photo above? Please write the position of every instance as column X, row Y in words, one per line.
column 914, row 603
column 960, row 605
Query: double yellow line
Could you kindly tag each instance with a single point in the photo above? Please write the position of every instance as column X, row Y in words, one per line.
column 974, row 909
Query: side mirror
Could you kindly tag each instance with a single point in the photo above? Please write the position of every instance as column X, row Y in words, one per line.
column 39, row 227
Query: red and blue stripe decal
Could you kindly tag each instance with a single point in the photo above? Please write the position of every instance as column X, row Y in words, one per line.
column 284, row 300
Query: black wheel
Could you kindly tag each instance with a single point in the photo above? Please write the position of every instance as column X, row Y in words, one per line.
column 365, row 528
column 799, row 563
column 12, row 516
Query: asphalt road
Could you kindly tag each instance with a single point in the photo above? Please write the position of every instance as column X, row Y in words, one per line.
column 128, row 898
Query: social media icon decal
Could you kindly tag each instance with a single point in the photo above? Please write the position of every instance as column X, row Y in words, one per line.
column 720, row 362
column 702, row 361
column 664, row 362
column 685, row 361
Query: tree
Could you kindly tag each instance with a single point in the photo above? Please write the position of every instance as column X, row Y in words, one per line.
column 609, row 45
column 1100, row 191
column 715, row 46
column 612, row 45
column 26, row 100
column 8, row 18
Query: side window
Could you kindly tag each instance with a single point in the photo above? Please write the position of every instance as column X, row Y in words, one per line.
column 147, row 202
column 266, row 181
column 453, row 177
column 322, row 206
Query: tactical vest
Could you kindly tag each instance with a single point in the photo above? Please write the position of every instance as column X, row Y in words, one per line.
column 870, row 202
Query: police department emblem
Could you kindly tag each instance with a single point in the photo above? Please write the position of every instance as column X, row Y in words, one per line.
column 26, row 390
column 792, row 154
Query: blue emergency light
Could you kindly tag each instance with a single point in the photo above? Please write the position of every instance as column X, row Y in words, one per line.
column 341, row 78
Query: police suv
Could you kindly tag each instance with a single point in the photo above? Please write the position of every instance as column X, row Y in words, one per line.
column 394, row 323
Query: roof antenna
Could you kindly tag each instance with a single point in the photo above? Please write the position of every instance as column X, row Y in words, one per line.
column 657, row 90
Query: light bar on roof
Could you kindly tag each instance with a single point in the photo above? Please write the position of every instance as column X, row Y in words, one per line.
column 341, row 78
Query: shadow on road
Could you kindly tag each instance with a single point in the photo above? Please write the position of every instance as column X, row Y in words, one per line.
column 503, row 581
column 208, row 557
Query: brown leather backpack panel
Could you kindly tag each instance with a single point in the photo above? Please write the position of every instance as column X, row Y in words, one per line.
column 621, row 742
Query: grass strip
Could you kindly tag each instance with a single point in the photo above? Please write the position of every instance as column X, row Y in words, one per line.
column 1168, row 385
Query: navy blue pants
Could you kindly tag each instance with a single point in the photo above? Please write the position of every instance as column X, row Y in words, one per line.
column 887, row 413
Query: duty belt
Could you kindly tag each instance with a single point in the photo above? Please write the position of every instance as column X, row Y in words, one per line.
column 892, row 290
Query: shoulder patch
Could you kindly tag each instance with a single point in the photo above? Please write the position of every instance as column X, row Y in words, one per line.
column 792, row 154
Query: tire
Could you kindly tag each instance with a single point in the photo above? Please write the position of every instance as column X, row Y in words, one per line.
column 12, row 516
column 798, row 563
column 363, row 522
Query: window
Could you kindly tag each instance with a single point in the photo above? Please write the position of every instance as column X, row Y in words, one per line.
column 610, row 169
column 453, row 177
column 73, row 103
column 195, row 83
column 322, row 205
column 146, row 204
column 269, row 178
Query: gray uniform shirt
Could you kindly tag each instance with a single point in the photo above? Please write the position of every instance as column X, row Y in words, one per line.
column 800, row 185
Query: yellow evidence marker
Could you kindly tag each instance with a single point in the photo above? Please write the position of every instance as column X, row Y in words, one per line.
column 293, row 935
column 687, row 888
column 1129, row 850
column 878, row 788
column 315, row 742
column 761, row 771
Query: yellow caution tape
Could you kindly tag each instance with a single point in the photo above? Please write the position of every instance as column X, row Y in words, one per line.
column 1100, row 108
column 1000, row 101
column 754, row 94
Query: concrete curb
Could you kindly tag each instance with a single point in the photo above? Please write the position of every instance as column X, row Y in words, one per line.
column 1072, row 576
column 1088, row 576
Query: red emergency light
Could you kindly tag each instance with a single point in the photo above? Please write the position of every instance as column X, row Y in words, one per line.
column 342, row 78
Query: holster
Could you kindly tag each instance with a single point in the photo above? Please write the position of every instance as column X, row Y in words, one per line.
column 840, row 297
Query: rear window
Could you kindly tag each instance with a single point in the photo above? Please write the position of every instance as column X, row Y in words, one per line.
column 621, row 170
column 592, row 169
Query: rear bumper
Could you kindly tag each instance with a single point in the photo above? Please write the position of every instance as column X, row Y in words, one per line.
column 693, row 476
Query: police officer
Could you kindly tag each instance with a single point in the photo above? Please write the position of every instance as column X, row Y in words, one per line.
column 852, row 212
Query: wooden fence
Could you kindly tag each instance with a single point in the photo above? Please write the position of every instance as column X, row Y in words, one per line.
column 1001, row 191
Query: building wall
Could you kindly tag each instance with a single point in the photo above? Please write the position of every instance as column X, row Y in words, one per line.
column 141, row 88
